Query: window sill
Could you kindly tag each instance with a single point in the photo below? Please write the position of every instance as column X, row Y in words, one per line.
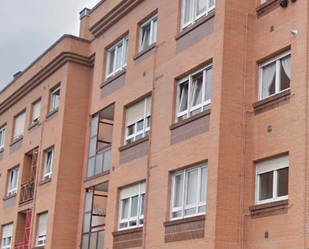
column 184, row 220
column 267, row 7
column 2, row 149
column 195, row 25
column 127, row 146
column 269, row 209
column 128, row 231
column 17, row 140
column 45, row 181
column 190, row 119
column 38, row 247
column 97, row 176
column 111, row 79
column 271, row 102
column 144, row 51
column 35, row 124
column 9, row 197
column 51, row 113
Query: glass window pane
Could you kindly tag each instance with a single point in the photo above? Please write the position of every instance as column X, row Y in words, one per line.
column 266, row 186
column 86, row 225
column 177, row 214
column 203, row 190
column 107, row 160
column 208, row 84
column 187, row 10
column 101, row 239
column 119, row 57
column 183, row 97
column 125, row 208
column 88, row 202
column 99, row 164
column 196, row 91
column 94, row 126
column 192, row 187
column 145, row 36
column 154, row 31
column 93, row 241
column 202, row 209
column 92, row 146
column 269, row 80
column 85, row 241
column 142, row 204
column 125, row 52
column 190, row 211
column 139, row 125
column 111, row 59
column 285, row 71
column 90, row 168
column 178, row 191
column 283, row 181
column 130, row 129
column 134, row 206
column 201, row 7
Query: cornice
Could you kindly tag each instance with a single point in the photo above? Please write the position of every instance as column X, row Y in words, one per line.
column 113, row 16
column 43, row 74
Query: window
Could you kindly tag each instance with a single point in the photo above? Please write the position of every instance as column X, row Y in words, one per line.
column 2, row 136
column 13, row 181
column 148, row 33
column 192, row 10
column 272, row 179
column 19, row 126
column 117, row 57
column 189, row 188
column 36, row 109
column 132, row 204
column 138, row 120
column 54, row 100
column 42, row 224
column 194, row 93
column 7, row 232
column 48, row 164
column 275, row 75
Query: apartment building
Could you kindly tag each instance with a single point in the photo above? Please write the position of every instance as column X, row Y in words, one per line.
column 165, row 124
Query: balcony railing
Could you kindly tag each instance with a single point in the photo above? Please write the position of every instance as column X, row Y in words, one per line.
column 21, row 246
column 26, row 192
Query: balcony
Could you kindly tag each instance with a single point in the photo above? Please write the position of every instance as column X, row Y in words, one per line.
column 101, row 162
column 26, row 192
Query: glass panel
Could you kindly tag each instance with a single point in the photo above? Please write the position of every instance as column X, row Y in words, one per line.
column 88, row 202
column 178, row 191
column 196, row 93
column 202, row 209
column 92, row 146
column 94, row 126
column 283, row 182
column 285, row 70
column 269, row 80
column 125, row 208
column 212, row 3
column 145, row 39
column 134, row 206
column 201, row 7
column 125, row 56
column 133, row 223
column 85, row 241
column 86, row 225
column 177, row 214
column 187, row 5
column 142, row 204
column 123, row 224
column 90, row 169
column 119, row 57
column 93, row 241
column 107, row 160
column 139, row 125
column 111, row 61
column 192, row 187
column 99, row 164
column 208, row 84
column 130, row 129
column 138, row 137
column 190, row 211
column 154, row 31
column 203, row 190
column 183, row 97
column 101, row 239
column 266, row 186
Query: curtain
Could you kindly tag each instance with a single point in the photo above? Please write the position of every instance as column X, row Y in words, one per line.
column 286, row 64
column 267, row 78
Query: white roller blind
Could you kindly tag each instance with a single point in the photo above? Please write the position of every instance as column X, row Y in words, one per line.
column 42, row 223
column 272, row 164
column 19, row 124
column 129, row 191
column 148, row 106
column 36, row 109
column 7, row 230
column 143, row 187
column 135, row 112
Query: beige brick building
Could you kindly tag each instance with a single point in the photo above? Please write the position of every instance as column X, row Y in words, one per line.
column 166, row 124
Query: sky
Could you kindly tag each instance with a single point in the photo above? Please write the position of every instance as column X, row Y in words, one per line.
column 29, row 27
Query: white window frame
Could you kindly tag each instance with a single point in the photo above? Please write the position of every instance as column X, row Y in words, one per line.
column 266, row 166
column 140, row 204
column 48, row 173
column 194, row 16
column 7, row 233
column 36, row 116
column 42, row 221
column 13, row 178
column 2, row 136
column 276, row 59
column 54, row 99
column 183, row 207
column 153, row 22
column 123, row 57
column 19, row 123
column 146, row 120
column 190, row 108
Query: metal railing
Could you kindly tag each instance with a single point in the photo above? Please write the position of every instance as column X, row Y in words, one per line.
column 26, row 192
